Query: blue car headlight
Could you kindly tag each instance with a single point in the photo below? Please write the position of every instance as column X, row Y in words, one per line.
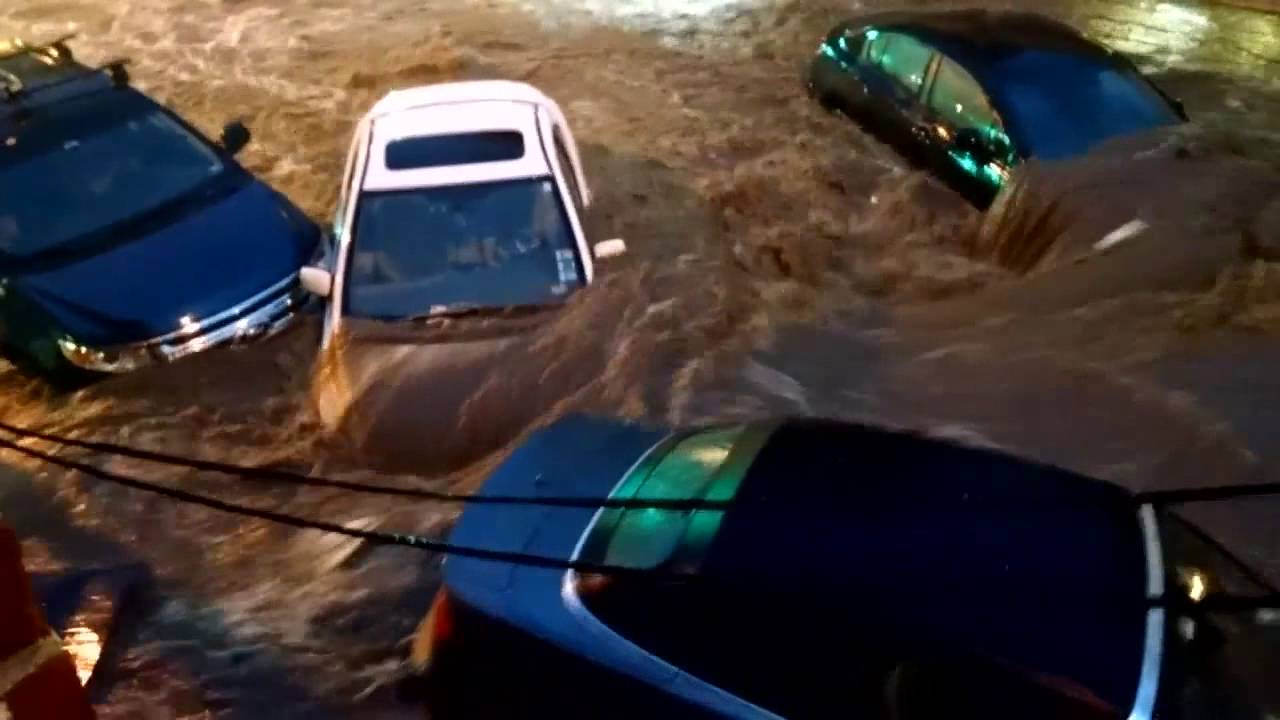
column 105, row 360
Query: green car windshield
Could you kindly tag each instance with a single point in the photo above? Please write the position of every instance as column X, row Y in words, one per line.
column 706, row 465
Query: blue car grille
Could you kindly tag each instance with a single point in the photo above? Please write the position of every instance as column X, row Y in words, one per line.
column 258, row 317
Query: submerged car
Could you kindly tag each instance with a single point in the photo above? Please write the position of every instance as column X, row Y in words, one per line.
column 126, row 237
column 459, row 200
column 969, row 94
column 856, row 572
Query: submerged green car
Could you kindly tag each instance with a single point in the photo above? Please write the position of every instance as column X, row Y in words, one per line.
column 969, row 94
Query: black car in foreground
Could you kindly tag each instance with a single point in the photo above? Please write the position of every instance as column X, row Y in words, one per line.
column 126, row 237
column 969, row 94
column 857, row 573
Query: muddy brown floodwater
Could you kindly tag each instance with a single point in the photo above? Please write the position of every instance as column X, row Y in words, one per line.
column 782, row 261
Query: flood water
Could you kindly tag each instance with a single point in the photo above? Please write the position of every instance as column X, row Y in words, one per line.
column 781, row 261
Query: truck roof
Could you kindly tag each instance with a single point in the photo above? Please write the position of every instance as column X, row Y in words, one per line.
column 470, row 120
column 462, row 92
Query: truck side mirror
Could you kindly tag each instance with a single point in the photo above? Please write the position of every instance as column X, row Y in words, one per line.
column 317, row 281
column 606, row 249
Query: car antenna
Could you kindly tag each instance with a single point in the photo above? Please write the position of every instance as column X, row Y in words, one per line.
column 1221, row 493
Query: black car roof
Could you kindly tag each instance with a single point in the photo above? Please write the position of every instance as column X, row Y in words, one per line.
column 980, row 39
column 1026, row 562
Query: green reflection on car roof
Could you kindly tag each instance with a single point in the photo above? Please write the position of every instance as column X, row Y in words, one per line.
column 707, row 465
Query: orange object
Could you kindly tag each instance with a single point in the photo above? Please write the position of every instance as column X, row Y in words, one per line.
column 38, row 679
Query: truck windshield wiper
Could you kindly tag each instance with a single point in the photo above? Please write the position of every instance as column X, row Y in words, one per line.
column 461, row 310
column 454, row 310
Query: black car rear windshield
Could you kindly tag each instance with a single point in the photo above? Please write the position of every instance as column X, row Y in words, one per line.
column 885, row 550
column 456, row 149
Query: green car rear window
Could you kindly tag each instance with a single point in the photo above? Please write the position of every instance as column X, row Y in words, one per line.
column 705, row 465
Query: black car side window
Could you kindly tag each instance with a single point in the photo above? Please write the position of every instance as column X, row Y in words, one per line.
column 901, row 57
column 757, row 645
column 873, row 47
column 848, row 44
column 959, row 100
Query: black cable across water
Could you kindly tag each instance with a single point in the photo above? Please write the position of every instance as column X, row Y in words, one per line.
column 372, row 536
column 1214, row 603
column 295, row 478
column 260, row 474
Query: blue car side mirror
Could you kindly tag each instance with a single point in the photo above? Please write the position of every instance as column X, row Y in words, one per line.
column 235, row 136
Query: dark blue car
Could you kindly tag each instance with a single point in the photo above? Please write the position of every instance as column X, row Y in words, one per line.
column 858, row 573
column 126, row 237
column 968, row 94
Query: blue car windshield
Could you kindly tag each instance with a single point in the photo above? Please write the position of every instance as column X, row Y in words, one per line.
column 82, row 172
column 1062, row 105
column 490, row 245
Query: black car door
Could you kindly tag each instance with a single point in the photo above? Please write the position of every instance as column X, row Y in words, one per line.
column 963, row 134
column 895, row 67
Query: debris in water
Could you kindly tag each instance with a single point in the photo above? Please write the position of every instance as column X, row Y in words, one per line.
column 1126, row 231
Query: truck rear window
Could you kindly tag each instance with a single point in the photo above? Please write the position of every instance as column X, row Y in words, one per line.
column 458, row 149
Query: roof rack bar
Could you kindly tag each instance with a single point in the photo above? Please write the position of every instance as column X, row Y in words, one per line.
column 21, row 48
column 114, row 69
column 9, row 83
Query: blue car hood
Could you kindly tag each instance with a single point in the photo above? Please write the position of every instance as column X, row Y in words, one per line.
column 205, row 262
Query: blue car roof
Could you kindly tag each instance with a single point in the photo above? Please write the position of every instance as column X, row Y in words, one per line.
column 957, row 546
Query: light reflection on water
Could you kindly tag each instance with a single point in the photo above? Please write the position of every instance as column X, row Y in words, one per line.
column 1241, row 42
column 1167, row 31
column 665, row 16
column 85, row 647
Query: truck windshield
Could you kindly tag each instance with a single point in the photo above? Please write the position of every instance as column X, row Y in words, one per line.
column 92, row 164
column 490, row 245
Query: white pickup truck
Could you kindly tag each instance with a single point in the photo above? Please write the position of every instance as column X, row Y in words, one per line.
column 458, row 200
